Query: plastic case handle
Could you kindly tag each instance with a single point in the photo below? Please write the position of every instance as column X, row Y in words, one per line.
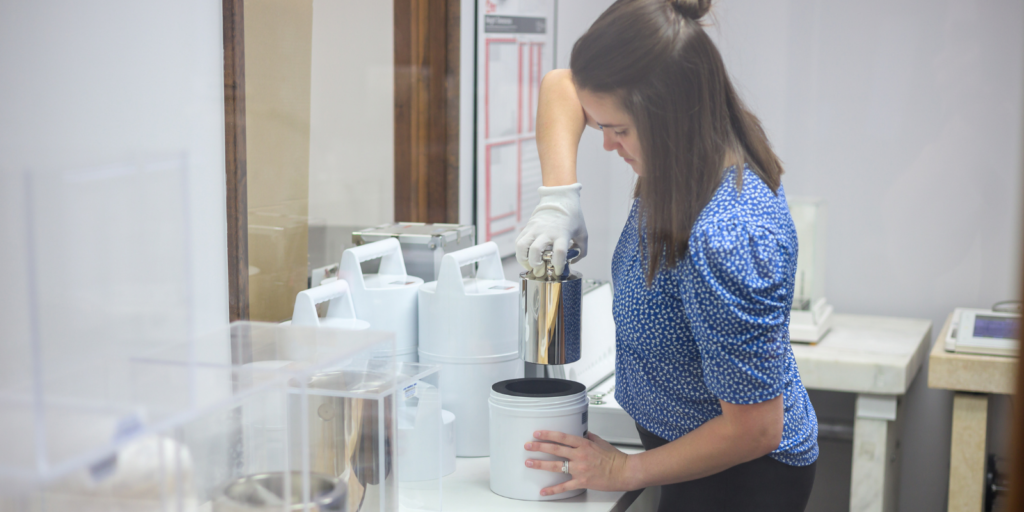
column 449, row 280
column 391, row 261
column 336, row 291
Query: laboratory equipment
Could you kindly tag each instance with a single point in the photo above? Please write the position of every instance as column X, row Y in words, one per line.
column 520, row 407
column 426, row 441
column 984, row 332
column 549, row 314
column 810, row 314
column 340, row 312
column 387, row 299
column 116, row 396
column 170, row 428
column 469, row 325
column 350, row 438
column 426, row 437
column 278, row 491
column 423, row 245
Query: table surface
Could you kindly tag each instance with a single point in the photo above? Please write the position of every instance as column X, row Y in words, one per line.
column 469, row 489
column 969, row 372
column 865, row 354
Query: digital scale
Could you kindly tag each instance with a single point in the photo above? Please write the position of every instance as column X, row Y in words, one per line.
column 984, row 332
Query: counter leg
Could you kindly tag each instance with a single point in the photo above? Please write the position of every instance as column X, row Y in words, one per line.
column 876, row 462
column 967, row 453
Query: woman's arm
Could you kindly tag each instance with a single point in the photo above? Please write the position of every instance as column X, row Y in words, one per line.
column 742, row 433
column 557, row 221
column 560, row 123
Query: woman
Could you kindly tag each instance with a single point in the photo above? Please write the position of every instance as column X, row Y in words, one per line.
column 703, row 271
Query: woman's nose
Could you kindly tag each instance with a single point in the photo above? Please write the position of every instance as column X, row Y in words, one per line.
column 610, row 144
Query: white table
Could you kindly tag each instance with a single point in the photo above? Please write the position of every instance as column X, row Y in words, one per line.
column 876, row 358
column 468, row 489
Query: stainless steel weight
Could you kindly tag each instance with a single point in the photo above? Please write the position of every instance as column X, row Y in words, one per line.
column 275, row 492
column 549, row 314
column 351, row 438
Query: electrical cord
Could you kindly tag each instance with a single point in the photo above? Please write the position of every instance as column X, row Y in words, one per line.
column 1007, row 306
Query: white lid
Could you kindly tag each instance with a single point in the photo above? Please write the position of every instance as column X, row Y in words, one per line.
column 490, row 277
column 390, row 281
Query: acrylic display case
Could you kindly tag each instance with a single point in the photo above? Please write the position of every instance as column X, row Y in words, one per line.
column 117, row 395
column 180, row 428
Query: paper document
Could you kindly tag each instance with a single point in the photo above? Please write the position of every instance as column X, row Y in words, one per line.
column 515, row 48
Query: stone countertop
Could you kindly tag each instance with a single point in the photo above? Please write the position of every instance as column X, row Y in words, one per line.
column 969, row 372
column 865, row 354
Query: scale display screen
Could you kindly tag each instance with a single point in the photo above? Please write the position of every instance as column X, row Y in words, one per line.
column 995, row 327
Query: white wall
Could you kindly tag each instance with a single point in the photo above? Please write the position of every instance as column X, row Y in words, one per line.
column 352, row 122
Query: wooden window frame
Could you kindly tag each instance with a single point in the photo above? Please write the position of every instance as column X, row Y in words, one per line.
column 234, row 165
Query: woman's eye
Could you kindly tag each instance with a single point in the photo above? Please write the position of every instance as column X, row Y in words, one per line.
column 620, row 134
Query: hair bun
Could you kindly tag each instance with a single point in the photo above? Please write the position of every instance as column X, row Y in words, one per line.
column 692, row 9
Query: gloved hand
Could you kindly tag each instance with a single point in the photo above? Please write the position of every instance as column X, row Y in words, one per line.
column 555, row 221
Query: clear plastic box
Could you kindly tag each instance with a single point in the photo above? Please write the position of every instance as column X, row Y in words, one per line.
column 181, row 429
column 111, row 399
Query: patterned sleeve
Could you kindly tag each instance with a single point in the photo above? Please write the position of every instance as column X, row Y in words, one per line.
column 737, row 302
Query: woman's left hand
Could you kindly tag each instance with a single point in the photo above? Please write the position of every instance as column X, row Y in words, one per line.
column 593, row 462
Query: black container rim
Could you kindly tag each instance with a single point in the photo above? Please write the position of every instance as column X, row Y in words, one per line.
column 538, row 388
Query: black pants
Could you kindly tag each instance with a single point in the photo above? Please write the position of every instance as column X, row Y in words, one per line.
column 762, row 485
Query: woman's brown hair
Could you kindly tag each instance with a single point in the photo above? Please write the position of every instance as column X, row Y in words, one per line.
column 656, row 58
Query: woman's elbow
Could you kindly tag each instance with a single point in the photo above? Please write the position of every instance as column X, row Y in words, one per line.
column 758, row 427
column 556, row 77
column 770, row 436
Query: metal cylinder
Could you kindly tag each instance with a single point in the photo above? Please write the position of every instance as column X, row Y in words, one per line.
column 549, row 315
column 279, row 491
column 348, row 437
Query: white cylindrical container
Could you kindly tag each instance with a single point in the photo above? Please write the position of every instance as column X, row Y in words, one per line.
column 520, row 407
column 470, row 326
column 340, row 312
column 420, row 429
column 466, row 386
column 388, row 299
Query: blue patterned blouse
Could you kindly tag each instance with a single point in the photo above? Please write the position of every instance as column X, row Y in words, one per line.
column 715, row 326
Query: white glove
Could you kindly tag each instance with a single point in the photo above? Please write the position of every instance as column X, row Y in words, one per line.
column 555, row 221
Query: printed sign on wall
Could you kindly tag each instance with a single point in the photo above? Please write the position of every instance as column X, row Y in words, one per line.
column 515, row 48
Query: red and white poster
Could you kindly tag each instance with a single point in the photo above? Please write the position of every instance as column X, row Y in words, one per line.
column 515, row 48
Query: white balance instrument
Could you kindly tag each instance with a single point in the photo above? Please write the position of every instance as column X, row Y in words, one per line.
column 983, row 331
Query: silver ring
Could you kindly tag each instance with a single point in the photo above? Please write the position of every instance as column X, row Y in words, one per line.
column 565, row 467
